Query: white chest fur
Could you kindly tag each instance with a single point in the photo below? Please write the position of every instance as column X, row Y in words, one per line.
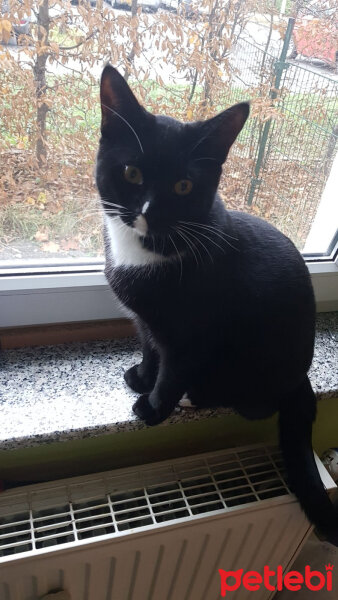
column 126, row 247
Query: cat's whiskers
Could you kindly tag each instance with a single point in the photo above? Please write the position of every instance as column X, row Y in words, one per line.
column 210, row 240
column 89, row 215
column 194, row 234
column 211, row 227
column 98, row 207
column 106, row 201
column 178, row 254
column 189, row 243
column 113, row 211
column 232, row 237
column 210, row 230
column 152, row 266
column 98, row 211
column 120, row 209
column 118, row 223
column 126, row 122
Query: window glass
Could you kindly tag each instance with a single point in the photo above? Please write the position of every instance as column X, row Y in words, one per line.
column 183, row 58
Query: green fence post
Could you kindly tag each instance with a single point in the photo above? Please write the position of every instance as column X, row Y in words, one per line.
column 280, row 65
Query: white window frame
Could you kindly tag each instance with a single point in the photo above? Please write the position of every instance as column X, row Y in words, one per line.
column 47, row 298
column 56, row 298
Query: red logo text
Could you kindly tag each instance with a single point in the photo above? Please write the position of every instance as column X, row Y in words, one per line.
column 273, row 581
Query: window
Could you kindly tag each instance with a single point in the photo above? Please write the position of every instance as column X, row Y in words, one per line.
column 187, row 59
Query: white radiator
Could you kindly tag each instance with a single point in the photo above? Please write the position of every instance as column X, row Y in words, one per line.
column 154, row 532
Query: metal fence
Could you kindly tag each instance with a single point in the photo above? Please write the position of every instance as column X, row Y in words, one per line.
column 289, row 156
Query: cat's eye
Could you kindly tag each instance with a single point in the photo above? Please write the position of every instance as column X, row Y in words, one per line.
column 183, row 187
column 133, row 174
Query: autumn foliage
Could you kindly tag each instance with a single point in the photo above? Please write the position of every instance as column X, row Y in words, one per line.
column 178, row 63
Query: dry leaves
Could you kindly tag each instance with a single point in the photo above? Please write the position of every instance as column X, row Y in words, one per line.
column 54, row 190
column 70, row 244
column 41, row 236
column 50, row 247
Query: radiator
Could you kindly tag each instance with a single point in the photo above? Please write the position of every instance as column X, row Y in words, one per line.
column 154, row 532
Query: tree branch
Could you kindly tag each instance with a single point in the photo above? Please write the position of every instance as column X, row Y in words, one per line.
column 80, row 43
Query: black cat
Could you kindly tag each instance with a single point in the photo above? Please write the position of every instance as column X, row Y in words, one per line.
column 222, row 300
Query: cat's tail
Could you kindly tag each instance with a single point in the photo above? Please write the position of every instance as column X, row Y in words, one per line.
column 297, row 414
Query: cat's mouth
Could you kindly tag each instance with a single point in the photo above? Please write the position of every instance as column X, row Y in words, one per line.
column 143, row 229
column 140, row 225
column 162, row 241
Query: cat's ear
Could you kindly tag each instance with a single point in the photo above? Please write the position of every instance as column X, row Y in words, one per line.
column 118, row 103
column 221, row 131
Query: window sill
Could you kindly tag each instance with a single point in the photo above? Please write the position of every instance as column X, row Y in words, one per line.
column 64, row 333
column 76, row 391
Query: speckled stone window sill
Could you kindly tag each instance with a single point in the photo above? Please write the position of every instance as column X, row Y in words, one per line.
column 75, row 391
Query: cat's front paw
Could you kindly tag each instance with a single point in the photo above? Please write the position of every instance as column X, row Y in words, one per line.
column 143, row 409
column 137, row 382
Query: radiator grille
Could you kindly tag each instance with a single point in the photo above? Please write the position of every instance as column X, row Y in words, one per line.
column 116, row 502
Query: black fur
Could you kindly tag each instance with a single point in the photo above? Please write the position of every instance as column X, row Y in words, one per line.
column 229, row 317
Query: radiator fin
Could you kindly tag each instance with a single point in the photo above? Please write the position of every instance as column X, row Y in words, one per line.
column 157, row 532
column 109, row 506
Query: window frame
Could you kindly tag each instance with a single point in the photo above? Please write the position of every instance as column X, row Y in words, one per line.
column 28, row 300
column 62, row 297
